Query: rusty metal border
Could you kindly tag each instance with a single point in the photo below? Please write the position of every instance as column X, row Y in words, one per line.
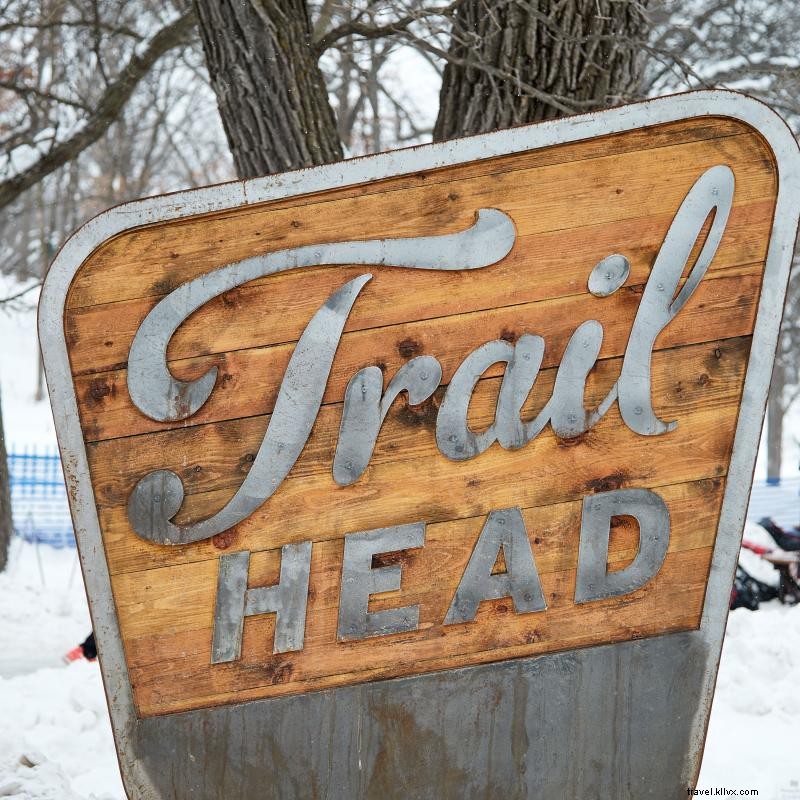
column 180, row 205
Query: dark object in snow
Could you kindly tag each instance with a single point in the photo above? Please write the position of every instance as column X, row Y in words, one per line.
column 89, row 647
column 786, row 540
column 748, row 592
column 86, row 649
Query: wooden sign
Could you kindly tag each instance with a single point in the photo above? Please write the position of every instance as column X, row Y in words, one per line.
column 480, row 416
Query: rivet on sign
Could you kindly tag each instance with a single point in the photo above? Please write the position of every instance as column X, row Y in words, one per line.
column 424, row 376
column 363, row 388
column 572, row 418
column 608, row 275
column 526, row 356
column 637, row 410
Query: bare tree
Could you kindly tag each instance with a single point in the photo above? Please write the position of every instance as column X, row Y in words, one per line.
column 39, row 92
column 132, row 72
column 166, row 136
column 270, row 88
column 291, row 77
column 513, row 62
column 507, row 62
column 266, row 62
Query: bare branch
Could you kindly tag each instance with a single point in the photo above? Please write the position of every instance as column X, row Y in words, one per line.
column 5, row 301
column 31, row 91
column 489, row 69
column 80, row 24
column 108, row 108
column 365, row 30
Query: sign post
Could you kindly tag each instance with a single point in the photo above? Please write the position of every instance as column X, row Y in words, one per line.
column 423, row 475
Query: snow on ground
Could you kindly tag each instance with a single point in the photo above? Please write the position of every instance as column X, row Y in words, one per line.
column 41, row 591
column 752, row 737
column 55, row 735
column 59, row 744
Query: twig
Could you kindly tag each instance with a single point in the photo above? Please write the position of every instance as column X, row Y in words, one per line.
column 21, row 293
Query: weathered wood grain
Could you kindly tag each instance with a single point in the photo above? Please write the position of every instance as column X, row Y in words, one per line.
column 220, row 456
column 276, row 310
column 166, row 255
column 249, row 379
column 554, row 536
column 698, row 386
column 571, row 205
column 178, row 592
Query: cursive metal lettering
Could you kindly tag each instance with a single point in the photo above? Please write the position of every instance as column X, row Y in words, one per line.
column 158, row 496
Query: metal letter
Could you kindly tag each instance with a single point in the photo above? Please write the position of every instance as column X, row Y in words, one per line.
column 569, row 416
column 520, row 375
column 503, row 529
column 565, row 409
column 594, row 581
column 365, row 410
column 360, row 580
column 157, row 394
column 608, row 275
column 157, row 497
column 713, row 192
column 287, row 599
column 454, row 437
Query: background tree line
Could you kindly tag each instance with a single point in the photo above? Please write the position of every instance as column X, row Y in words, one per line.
column 102, row 101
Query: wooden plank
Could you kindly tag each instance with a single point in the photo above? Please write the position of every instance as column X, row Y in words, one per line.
column 603, row 188
column 675, row 574
column 175, row 599
column 699, row 387
column 275, row 311
column 249, row 379
column 219, row 456
column 167, row 675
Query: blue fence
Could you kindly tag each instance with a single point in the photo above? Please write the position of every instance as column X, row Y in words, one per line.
column 39, row 497
column 41, row 512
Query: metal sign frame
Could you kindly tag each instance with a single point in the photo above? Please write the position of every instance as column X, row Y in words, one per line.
column 612, row 689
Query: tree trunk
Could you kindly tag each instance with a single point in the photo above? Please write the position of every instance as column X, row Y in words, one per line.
column 514, row 61
column 6, row 523
column 270, row 90
column 775, row 414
